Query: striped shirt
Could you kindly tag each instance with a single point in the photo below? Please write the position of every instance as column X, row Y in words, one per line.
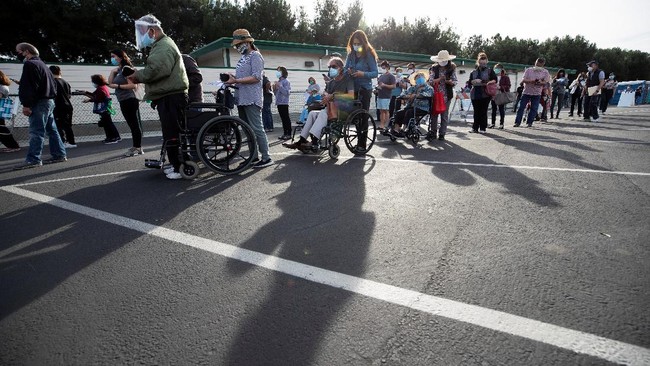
column 250, row 64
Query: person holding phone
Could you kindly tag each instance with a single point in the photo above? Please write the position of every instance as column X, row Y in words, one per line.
column 535, row 79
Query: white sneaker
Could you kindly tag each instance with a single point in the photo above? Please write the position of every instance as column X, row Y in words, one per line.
column 594, row 120
column 69, row 146
column 174, row 175
column 168, row 170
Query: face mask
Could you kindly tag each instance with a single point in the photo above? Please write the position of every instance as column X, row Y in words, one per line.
column 114, row 61
column 242, row 48
column 419, row 81
column 611, row 77
column 21, row 57
column 443, row 63
column 358, row 49
column 498, row 71
column 399, row 75
column 590, row 69
column 95, row 86
column 146, row 40
column 312, row 82
column 334, row 72
column 385, row 70
column 278, row 74
column 410, row 71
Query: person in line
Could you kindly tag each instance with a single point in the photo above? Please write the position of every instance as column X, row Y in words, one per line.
column 36, row 93
column 520, row 90
column 102, row 95
column 166, row 84
column 340, row 86
column 575, row 89
column 129, row 103
column 637, row 96
column 558, row 86
column 396, row 104
column 361, row 64
column 591, row 92
column 248, row 77
column 415, row 106
column 480, row 78
column 267, row 115
column 281, row 89
column 504, row 87
column 544, row 102
column 534, row 79
column 609, row 88
column 443, row 74
column 195, row 79
column 6, row 138
column 313, row 87
column 385, row 84
column 63, row 109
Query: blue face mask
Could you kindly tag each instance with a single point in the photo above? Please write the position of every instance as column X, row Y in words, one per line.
column 114, row 61
column 146, row 40
column 278, row 74
column 420, row 81
column 334, row 72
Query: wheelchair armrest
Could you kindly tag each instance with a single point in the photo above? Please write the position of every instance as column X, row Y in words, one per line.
column 204, row 105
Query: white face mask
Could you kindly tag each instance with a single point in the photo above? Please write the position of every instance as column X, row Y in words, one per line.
column 385, row 70
column 443, row 63
column 590, row 69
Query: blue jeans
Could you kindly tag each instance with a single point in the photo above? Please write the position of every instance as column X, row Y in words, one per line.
column 267, row 116
column 41, row 121
column 534, row 104
column 252, row 115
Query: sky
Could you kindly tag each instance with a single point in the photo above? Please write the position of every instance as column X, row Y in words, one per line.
column 621, row 23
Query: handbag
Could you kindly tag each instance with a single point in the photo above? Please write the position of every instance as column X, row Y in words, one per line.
column 439, row 105
column 7, row 108
column 105, row 106
column 504, row 98
column 491, row 89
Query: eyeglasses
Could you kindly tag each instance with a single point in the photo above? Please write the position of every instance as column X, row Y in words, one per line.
column 332, row 67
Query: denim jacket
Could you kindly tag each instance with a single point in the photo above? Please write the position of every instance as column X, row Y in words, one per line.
column 367, row 64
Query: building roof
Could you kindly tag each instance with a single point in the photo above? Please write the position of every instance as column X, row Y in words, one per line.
column 324, row 50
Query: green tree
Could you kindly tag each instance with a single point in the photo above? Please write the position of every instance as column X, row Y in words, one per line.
column 351, row 21
column 326, row 22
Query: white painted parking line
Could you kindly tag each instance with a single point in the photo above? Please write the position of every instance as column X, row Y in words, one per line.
column 569, row 339
column 501, row 166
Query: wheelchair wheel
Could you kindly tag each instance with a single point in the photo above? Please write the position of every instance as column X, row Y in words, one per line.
column 415, row 137
column 360, row 132
column 334, row 151
column 226, row 145
column 189, row 170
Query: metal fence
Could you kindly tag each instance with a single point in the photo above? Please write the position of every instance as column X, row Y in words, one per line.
column 84, row 121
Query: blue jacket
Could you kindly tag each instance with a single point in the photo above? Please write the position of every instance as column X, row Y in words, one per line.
column 367, row 64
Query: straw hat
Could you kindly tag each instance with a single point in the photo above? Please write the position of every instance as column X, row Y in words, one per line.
column 424, row 73
column 443, row 55
column 241, row 36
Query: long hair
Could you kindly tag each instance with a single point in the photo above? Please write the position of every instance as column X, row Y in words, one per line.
column 4, row 80
column 557, row 74
column 480, row 56
column 121, row 54
column 366, row 46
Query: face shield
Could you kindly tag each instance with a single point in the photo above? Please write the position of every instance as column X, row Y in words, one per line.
column 141, row 29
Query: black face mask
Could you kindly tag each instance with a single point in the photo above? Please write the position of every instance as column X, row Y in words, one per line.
column 20, row 56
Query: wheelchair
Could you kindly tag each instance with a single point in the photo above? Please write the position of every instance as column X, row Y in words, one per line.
column 412, row 130
column 358, row 131
column 211, row 136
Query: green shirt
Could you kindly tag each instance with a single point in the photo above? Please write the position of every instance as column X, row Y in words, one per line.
column 164, row 74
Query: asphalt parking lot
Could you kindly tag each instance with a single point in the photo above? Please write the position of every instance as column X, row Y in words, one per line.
column 524, row 246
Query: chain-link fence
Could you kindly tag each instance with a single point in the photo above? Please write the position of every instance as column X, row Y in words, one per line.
column 84, row 121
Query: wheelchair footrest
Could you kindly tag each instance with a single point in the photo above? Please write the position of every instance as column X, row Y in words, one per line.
column 153, row 163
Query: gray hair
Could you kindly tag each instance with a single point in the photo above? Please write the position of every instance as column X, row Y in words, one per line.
column 27, row 47
column 153, row 21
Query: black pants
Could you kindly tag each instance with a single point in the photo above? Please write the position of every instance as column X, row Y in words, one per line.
column 560, row 100
column 110, row 130
column 605, row 98
column 480, row 113
column 63, row 119
column 403, row 116
column 576, row 98
column 502, row 112
column 131, row 112
column 591, row 106
column 170, row 110
column 283, row 111
column 364, row 96
column 6, row 138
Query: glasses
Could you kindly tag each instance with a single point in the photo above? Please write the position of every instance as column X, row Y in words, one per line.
column 332, row 67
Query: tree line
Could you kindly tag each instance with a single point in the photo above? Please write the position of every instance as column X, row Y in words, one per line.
column 86, row 30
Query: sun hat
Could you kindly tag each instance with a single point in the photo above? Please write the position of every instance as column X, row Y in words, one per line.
column 241, row 36
column 443, row 55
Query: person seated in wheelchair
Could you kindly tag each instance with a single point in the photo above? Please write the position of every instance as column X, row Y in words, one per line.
column 418, row 99
column 338, row 92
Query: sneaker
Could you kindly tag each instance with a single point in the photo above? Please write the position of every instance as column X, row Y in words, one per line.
column 168, row 170
column 284, row 137
column 263, row 163
column 516, row 125
column 9, row 149
column 28, row 165
column 482, row 132
column 441, row 137
column 110, row 141
column 174, row 175
column 68, row 145
column 595, row 119
column 491, row 126
column 134, row 151
column 529, row 125
column 586, row 119
column 54, row 160
column 501, row 127
column 473, row 131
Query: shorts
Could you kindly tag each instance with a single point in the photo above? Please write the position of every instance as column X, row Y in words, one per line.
column 383, row 104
